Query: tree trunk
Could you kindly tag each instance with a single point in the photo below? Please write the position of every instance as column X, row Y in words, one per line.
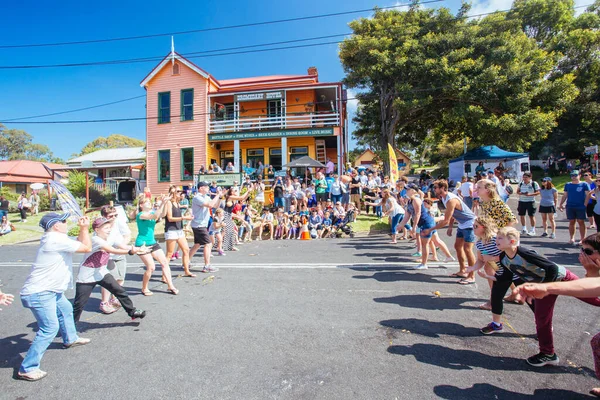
column 389, row 121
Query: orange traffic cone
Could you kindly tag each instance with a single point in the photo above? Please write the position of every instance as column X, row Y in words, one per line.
column 304, row 233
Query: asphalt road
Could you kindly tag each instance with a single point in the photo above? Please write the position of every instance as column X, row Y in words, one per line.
column 331, row 319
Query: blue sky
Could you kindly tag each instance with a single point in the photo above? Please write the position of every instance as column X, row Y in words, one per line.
column 41, row 91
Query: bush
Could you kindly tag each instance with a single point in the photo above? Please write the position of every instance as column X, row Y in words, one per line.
column 76, row 183
column 44, row 200
column 100, row 198
column 10, row 196
column 74, row 231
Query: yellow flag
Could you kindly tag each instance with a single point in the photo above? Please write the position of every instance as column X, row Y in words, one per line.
column 394, row 174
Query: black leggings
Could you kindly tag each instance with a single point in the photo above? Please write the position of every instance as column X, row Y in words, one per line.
column 597, row 222
column 84, row 290
column 499, row 289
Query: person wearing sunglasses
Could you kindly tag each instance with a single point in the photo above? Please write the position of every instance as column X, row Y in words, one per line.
column 43, row 292
column 590, row 202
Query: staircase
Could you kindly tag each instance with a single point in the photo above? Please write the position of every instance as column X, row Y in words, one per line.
column 321, row 152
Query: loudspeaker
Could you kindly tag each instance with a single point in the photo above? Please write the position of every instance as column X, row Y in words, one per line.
column 524, row 167
column 218, row 146
column 467, row 168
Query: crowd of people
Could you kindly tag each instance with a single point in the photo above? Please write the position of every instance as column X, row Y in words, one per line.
column 486, row 242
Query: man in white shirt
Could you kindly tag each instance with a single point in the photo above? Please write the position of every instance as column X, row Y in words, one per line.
column 465, row 191
column 43, row 291
column 329, row 167
column 201, row 205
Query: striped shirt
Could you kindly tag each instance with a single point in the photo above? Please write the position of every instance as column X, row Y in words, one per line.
column 490, row 249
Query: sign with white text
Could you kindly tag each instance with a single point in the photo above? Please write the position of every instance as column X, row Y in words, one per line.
column 258, row 96
column 270, row 134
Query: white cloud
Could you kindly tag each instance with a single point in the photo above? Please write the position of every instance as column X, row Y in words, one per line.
column 484, row 7
column 352, row 103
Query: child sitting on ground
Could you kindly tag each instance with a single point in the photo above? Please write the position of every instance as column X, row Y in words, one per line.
column 294, row 231
column 280, row 229
column 326, row 224
column 93, row 271
column 266, row 220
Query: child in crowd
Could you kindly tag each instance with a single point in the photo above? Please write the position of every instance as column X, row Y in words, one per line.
column 280, row 228
column 93, row 271
column 294, row 231
column 315, row 222
column 326, row 224
column 521, row 265
column 215, row 230
column 266, row 220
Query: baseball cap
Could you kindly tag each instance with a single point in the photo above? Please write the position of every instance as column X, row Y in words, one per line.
column 52, row 218
column 547, row 179
column 490, row 172
column 98, row 222
column 575, row 172
column 202, row 183
column 412, row 186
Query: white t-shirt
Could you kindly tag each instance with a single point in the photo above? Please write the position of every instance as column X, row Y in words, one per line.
column 396, row 208
column 52, row 270
column 465, row 189
column 117, row 235
column 93, row 267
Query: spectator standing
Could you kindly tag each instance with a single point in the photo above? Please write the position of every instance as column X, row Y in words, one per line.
column 321, row 188
column 34, row 200
column 548, row 200
column 4, row 203
column 595, row 194
column 466, row 191
column 591, row 202
column 575, row 195
column 260, row 169
column 43, row 291
column 527, row 191
column 329, row 167
column 480, row 169
column 23, row 205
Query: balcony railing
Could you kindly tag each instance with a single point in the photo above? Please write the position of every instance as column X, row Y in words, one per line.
column 264, row 122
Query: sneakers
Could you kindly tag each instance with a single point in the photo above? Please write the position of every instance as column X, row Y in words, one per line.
column 544, row 234
column 541, row 359
column 208, row 268
column 31, row 376
column 138, row 314
column 417, row 254
column 115, row 303
column 221, row 253
column 107, row 308
column 492, row 327
column 421, row 266
column 79, row 342
column 552, row 235
column 531, row 232
column 524, row 231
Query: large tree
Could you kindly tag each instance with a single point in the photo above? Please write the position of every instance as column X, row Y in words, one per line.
column 16, row 144
column 114, row 141
column 426, row 70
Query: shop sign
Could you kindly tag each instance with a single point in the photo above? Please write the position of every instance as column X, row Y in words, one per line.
column 223, row 180
column 258, row 96
column 270, row 134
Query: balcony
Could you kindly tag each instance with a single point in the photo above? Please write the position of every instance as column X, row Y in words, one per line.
column 265, row 122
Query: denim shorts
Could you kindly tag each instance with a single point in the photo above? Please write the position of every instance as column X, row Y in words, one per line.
column 467, row 234
column 426, row 226
column 576, row 213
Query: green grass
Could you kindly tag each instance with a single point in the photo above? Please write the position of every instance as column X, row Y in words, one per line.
column 370, row 224
column 559, row 181
column 29, row 230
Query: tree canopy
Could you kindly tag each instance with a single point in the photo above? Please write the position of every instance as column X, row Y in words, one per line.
column 16, row 144
column 113, row 141
column 424, row 72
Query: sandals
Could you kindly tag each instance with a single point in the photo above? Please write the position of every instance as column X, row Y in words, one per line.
column 173, row 291
column 147, row 293
column 466, row 282
column 457, row 275
column 190, row 275
column 485, row 306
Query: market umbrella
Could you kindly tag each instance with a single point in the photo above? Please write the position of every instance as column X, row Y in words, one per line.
column 36, row 186
column 305, row 162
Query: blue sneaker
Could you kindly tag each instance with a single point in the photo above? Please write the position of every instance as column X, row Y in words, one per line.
column 491, row 328
column 420, row 266
column 417, row 254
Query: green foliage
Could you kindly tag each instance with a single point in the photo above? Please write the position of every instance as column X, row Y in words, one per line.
column 77, row 183
column 16, row 144
column 113, row 141
column 8, row 194
column 425, row 70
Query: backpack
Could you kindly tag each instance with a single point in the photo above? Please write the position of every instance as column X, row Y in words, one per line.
column 509, row 189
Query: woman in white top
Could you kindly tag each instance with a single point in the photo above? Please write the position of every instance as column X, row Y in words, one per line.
column 259, row 187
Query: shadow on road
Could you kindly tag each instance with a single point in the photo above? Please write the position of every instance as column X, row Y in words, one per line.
column 397, row 276
column 426, row 302
column 438, row 329
column 446, row 357
column 487, row 391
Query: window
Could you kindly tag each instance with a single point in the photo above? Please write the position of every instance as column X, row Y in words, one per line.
column 164, row 107
column 187, row 164
column 187, row 105
column 20, row 188
column 274, row 107
column 253, row 156
column 296, row 153
column 164, row 165
column 275, row 158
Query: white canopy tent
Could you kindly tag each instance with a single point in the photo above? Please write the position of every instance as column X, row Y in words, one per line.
column 515, row 163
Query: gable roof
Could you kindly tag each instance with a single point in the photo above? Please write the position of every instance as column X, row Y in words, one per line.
column 182, row 60
column 226, row 83
column 26, row 171
column 122, row 157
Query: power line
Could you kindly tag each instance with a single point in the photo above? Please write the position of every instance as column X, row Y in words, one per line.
column 226, row 52
column 220, row 28
column 71, row 111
